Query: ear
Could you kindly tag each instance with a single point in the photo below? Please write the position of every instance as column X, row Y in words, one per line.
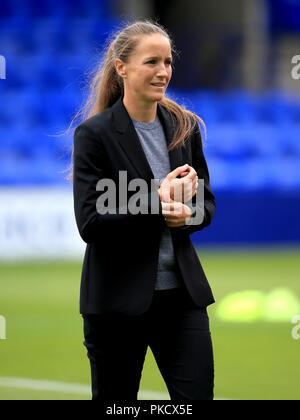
column 120, row 68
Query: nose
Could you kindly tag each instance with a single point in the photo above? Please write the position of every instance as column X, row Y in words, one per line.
column 162, row 71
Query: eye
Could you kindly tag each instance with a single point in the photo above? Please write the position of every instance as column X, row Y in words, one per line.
column 153, row 61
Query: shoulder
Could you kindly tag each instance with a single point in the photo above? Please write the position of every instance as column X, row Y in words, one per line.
column 89, row 134
column 97, row 124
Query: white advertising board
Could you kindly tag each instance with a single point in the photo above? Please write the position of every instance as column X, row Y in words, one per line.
column 38, row 223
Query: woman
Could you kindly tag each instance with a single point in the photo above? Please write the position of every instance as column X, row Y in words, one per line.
column 142, row 282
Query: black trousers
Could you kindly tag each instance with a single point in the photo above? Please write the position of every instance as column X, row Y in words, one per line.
column 178, row 334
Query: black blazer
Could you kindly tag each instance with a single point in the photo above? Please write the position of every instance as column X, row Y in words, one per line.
column 121, row 258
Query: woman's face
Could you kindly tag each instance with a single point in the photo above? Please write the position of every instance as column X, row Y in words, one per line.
column 147, row 73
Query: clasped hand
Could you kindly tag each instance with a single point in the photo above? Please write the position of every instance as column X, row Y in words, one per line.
column 175, row 192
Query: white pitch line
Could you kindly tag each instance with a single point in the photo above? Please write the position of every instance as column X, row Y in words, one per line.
column 68, row 388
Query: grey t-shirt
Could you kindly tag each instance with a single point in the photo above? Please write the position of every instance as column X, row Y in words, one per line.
column 153, row 141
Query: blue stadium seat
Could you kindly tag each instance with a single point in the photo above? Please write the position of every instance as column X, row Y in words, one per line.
column 254, row 174
column 228, row 140
column 220, row 175
column 266, row 140
column 285, row 173
column 20, row 171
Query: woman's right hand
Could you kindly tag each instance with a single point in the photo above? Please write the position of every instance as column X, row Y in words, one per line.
column 181, row 190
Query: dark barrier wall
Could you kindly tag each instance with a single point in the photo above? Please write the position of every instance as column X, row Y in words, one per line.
column 251, row 218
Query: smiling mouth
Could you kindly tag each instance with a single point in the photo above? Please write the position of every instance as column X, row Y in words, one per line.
column 161, row 85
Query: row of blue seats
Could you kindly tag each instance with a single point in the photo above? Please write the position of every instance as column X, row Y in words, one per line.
column 39, row 8
column 41, row 39
column 254, row 173
column 242, row 106
column 29, row 130
column 46, row 75
column 60, row 103
column 48, row 70
column 20, row 171
column 31, row 28
column 216, row 98
column 36, row 91
column 253, row 139
column 57, row 144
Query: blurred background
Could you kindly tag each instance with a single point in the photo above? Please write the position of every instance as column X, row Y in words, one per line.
column 237, row 67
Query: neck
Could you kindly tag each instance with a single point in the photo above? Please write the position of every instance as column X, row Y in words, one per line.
column 140, row 111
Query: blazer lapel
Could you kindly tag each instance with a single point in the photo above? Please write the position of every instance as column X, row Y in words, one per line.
column 129, row 140
column 130, row 143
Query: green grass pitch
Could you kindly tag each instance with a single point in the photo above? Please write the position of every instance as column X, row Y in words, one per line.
column 44, row 338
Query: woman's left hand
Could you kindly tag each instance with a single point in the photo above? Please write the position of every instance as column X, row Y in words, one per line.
column 175, row 213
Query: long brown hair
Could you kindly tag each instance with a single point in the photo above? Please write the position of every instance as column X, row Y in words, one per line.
column 106, row 86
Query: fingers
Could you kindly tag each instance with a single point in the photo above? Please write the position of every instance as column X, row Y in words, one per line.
column 179, row 190
column 190, row 188
column 175, row 211
column 184, row 171
column 167, row 207
column 192, row 173
column 177, row 171
column 192, row 178
column 195, row 182
column 170, row 209
column 165, row 195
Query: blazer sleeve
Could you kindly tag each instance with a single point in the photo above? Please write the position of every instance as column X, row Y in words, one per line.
column 200, row 166
column 90, row 164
